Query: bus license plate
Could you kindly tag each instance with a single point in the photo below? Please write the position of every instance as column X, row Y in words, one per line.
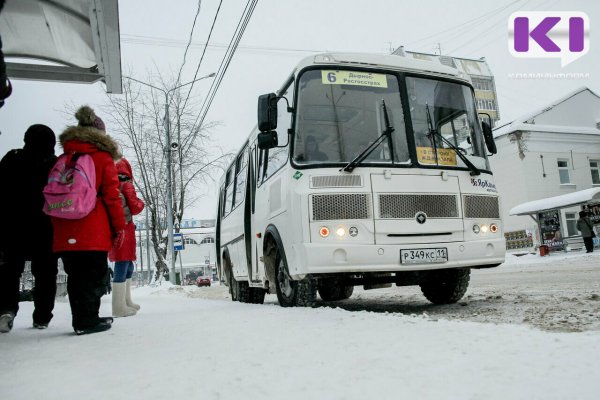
column 424, row 256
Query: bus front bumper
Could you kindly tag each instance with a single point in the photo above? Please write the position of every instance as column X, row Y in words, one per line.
column 316, row 258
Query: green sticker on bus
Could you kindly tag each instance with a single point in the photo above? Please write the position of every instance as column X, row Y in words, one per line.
column 297, row 175
column 355, row 78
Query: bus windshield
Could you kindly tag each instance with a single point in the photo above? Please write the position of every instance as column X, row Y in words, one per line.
column 338, row 115
column 446, row 109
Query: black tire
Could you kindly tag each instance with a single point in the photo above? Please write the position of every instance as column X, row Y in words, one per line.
column 446, row 286
column 257, row 295
column 335, row 292
column 290, row 293
column 240, row 291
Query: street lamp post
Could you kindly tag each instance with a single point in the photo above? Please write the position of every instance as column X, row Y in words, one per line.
column 170, row 251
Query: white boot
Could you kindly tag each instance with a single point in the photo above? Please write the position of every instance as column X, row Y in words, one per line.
column 119, row 306
column 128, row 297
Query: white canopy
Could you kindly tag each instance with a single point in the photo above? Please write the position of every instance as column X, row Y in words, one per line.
column 552, row 203
column 82, row 36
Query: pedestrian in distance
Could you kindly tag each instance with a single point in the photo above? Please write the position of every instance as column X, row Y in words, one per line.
column 124, row 256
column 26, row 233
column 83, row 241
column 585, row 226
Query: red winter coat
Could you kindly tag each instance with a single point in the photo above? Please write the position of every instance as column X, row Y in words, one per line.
column 127, row 251
column 95, row 231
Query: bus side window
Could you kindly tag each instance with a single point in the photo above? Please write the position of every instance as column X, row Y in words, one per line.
column 259, row 170
column 240, row 179
column 228, row 198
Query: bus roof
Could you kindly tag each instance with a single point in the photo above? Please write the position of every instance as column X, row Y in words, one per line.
column 392, row 62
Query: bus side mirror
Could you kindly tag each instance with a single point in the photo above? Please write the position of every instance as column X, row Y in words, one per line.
column 490, row 143
column 267, row 140
column 267, row 112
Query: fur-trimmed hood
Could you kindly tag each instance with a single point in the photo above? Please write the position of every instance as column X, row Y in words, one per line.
column 95, row 137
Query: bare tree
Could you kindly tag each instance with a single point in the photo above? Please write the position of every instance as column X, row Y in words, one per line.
column 139, row 116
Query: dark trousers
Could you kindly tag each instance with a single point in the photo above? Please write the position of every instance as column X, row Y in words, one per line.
column 44, row 268
column 86, row 283
column 589, row 244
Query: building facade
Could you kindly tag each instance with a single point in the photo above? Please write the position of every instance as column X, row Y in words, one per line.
column 547, row 153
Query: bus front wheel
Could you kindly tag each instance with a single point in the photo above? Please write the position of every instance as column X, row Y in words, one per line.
column 291, row 293
column 446, row 286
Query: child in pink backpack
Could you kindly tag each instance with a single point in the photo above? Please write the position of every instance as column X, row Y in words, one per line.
column 83, row 244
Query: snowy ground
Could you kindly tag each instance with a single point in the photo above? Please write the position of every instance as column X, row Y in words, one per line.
column 507, row 339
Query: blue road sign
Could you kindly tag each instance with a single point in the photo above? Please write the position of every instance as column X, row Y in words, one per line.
column 178, row 243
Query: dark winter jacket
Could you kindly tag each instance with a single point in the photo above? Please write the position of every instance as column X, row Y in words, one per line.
column 584, row 225
column 95, row 231
column 25, row 228
column 135, row 206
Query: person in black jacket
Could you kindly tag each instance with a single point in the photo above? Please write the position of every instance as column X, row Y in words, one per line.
column 26, row 232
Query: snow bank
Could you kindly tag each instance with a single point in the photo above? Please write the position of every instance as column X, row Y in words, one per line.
column 179, row 347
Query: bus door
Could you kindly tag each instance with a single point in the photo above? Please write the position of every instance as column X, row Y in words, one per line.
column 251, row 241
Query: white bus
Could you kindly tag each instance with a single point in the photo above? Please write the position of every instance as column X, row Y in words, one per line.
column 364, row 170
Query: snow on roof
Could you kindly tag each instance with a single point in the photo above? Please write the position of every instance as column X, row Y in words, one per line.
column 521, row 123
column 550, row 128
column 82, row 36
column 552, row 203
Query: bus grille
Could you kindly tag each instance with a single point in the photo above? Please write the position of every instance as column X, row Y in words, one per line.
column 340, row 206
column 481, row 206
column 325, row 181
column 406, row 206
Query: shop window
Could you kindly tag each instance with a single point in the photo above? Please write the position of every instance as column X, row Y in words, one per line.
column 571, row 219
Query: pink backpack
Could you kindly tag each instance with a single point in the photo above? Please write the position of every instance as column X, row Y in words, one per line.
column 71, row 189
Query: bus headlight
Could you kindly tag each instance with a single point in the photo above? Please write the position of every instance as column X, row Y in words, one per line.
column 353, row 231
column 340, row 231
column 484, row 228
column 493, row 228
column 324, row 231
column 475, row 228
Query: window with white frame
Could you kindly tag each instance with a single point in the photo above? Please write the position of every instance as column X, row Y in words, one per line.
column 595, row 170
column 563, row 172
column 188, row 240
column 571, row 219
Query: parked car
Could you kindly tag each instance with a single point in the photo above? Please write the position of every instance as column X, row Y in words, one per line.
column 203, row 281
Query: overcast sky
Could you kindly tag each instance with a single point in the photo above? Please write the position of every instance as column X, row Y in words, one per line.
column 283, row 32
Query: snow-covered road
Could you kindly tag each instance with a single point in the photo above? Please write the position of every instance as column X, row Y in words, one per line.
column 184, row 345
column 558, row 293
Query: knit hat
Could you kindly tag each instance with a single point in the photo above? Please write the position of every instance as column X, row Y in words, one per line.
column 40, row 138
column 124, row 168
column 87, row 117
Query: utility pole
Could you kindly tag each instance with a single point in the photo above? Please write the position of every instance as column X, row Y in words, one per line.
column 148, row 245
column 139, row 275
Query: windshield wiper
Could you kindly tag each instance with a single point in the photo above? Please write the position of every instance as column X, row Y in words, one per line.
column 458, row 150
column 388, row 129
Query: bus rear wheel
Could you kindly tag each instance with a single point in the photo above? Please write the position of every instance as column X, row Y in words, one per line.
column 334, row 291
column 446, row 286
column 242, row 292
column 291, row 293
